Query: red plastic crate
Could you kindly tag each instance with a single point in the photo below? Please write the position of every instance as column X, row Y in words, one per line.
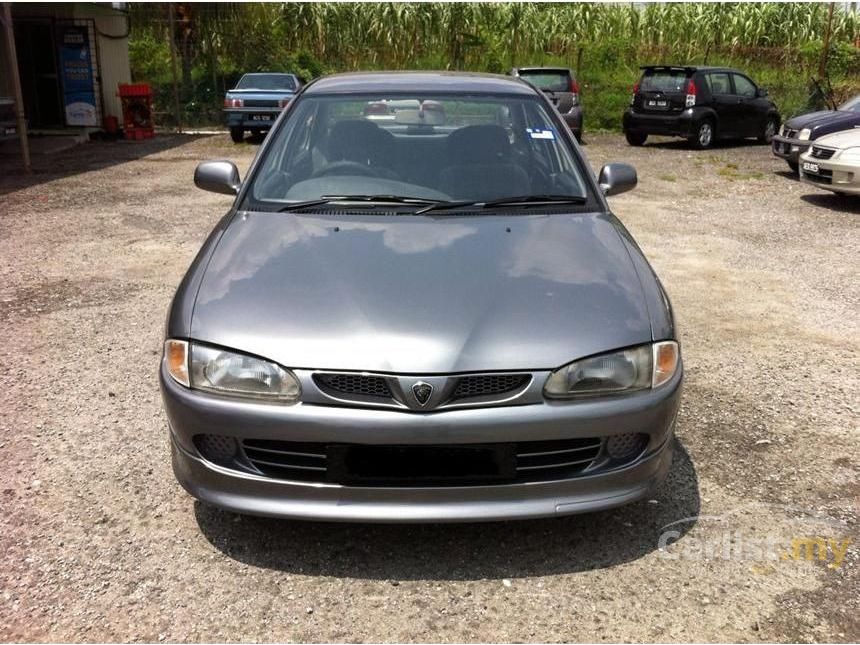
column 134, row 89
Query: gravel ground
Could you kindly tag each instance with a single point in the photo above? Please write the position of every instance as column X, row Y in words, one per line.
column 100, row 543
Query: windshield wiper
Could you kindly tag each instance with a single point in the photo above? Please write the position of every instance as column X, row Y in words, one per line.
column 520, row 200
column 382, row 199
column 537, row 200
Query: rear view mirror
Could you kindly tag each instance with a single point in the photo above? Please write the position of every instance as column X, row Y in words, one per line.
column 761, row 92
column 616, row 178
column 218, row 176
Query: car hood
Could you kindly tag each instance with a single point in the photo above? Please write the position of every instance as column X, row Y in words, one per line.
column 421, row 294
column 821, row 123
column 842, row 139
column 258, row 94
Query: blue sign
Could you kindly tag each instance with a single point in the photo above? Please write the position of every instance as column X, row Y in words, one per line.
column 76, row 68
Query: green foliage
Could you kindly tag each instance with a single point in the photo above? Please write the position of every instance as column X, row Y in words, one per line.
column 779, row 44
column 149, row 57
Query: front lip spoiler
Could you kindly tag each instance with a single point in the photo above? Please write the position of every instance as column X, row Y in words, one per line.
column 255, row 495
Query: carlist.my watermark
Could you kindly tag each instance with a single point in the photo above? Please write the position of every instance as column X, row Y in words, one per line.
column 783, row 534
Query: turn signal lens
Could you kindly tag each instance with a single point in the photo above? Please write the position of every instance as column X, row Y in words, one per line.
column 665, row 361
column 176, row 360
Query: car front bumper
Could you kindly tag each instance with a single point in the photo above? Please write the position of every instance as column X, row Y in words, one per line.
column 192, row 412
column 672, row 125
column 789, row 149
column 248, row 118
column 832, row 175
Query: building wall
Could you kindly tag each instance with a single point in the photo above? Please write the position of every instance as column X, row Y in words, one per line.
column 108, row 31
column 113, row 60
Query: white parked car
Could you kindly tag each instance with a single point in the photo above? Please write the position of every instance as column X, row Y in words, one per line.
column 833, row 162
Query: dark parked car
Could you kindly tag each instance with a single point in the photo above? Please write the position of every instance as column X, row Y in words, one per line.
column 796, row 135
column 560, row 85
column 256, row 102
column 434, row 317
column 701, row 104
column 8, row 123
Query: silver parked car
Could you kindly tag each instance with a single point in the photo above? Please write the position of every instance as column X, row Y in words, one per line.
column 562, row 88
column 429, row 318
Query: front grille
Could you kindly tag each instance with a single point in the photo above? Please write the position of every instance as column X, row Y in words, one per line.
column 822, row 153
column 790, row 134
column 353, row 384
column 425, row 465
column 260, row 103
column 371, row 389
column 488, row 385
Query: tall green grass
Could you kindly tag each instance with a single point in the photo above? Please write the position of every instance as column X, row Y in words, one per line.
column 779, row 44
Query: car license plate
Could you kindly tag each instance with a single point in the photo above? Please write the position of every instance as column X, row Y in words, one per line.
column 657, row 103
column 810, row 167
column 261, row 117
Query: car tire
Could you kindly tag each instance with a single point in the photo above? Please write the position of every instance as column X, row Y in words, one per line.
column 704, row 135
column 237, row 135
column 795, row 167
column 636, row 138
column 770, row 128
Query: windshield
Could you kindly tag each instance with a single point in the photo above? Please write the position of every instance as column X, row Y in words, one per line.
column 550, row 80
column 266, row 82
column 431, row 147
column 669, row 80
column 851, row 105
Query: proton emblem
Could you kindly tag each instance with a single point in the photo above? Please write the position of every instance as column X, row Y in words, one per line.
column 422, row 392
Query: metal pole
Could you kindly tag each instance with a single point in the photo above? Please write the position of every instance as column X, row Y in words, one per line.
column 16, row 81
column 172, row 35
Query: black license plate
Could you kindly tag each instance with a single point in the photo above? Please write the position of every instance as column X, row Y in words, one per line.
column 364, row 465
column 261, row 117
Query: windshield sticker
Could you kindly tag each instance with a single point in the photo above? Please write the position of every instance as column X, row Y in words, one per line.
column 537, row 133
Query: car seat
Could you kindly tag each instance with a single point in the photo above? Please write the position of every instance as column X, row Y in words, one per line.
column 480, row 165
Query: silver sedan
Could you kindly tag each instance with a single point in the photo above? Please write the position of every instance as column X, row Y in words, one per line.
column 430, row 318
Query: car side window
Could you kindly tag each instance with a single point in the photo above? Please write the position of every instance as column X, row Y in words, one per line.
column 744, row 86
column 718, row 83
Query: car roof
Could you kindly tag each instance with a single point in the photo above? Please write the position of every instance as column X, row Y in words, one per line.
column 542, row 69
column 692, row 68
column 443, row 82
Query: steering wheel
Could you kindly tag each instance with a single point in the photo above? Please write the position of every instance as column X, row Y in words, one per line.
column 346, row 168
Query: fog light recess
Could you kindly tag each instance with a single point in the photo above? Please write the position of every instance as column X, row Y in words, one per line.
column 216, row 448
column 625, row 446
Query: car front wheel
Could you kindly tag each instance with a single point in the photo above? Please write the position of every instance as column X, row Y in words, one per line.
column 704, row 135
column 636, row 138
column 237, row 134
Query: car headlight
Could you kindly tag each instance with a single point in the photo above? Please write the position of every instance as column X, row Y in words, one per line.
column 782, row 129
column 803, row 135
column 851, row 155
column 628, row 370
column 216, row 370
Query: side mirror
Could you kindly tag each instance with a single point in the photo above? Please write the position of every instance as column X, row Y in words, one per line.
column 218, row 177
column 616, row 178
column 761, row 92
